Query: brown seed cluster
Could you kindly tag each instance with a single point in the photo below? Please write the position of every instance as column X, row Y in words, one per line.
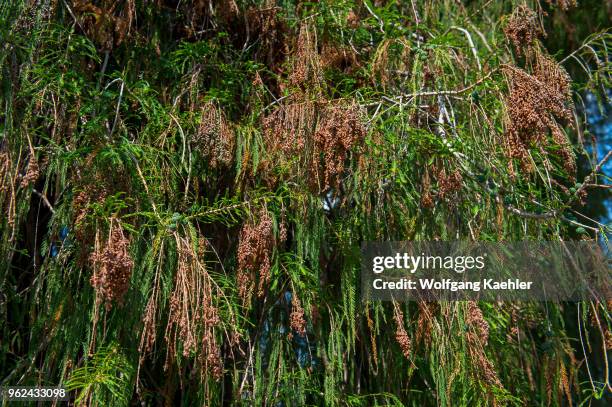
column 477, row 337
column 339, row 128
column 112, row 265
column 193, row 316
column 287, row 129
column 91, row 188
column 306, row 64
column 254, row 255
column 296, row 319
column 401, row 336
column 476, row 320
column 306, row 136
column 314, row 139
column 32, row 172
column 448, row 184
column 282, row 231
column 523, row 29
column 94, row 188
column 536, row 104
column 215, row 138
column 564, row 382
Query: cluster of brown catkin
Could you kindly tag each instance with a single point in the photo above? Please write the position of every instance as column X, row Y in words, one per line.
column 254, row 256
column 523, row 28
column 94, row 189
column 339, row 129
column 296, row 318
column 307, row 135
column 424, row 324
column 322, row 134
column 306, row 64
column 31, row 173
column 193, row 316
column 538, row 101
column 112, row 265
column 401, row 336
column 215, row 138
column 449, row 183
column 477, row 337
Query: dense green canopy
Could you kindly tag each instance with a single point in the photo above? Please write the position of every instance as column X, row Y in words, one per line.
column 185, row 186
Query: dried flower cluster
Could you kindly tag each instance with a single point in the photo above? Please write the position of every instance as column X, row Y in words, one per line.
column 320, row 135
column 112, row 266
column 32, row 172
column 339, row 128
column 448, row 183
column 523, row 29
column 282, row 231
column 306, row 64
column 477, row 338
column 401, row 336
column 536, row 104
column 476, row 320
column 193, row 317
column 307, row 136
column 287, row 129
column 296, row 319
column 254, row 255
column 90, row 194
column 564, row 383
column 94, row 189
column 215, row 138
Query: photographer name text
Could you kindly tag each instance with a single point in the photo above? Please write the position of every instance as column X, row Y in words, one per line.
column 448, row 284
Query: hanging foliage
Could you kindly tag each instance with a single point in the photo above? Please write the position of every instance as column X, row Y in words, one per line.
column 185, row 186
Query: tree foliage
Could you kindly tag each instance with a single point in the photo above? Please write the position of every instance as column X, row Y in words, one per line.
column 185, row 186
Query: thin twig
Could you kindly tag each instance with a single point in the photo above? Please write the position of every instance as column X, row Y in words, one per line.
column 44, row 200
column 471, row 44
column 531, row 215
column 400, row 98
column 587, row 180
column 381, row 24
column 112, row 130
column 586, row 43
column 555, row 213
